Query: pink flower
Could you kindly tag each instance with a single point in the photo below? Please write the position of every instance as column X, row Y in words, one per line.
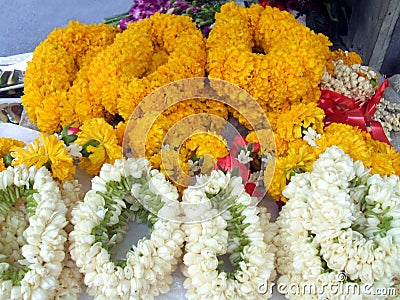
column 73, row 131
column 231, row 164
column 239, row 143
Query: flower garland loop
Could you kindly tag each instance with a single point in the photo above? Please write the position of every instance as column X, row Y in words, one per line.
column 227, row 223
column 88, row 71
column 100, row 222
column 32, row 218
column 268, row 53
column 180, row 44
column 54, row 68
column 342, row 226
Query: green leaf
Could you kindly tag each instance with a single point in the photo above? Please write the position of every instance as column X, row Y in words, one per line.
column 84, row 151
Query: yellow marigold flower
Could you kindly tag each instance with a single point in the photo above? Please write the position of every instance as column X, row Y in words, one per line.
column 290, row 124
column 209, row 143
column 100, row 141
column 299, row 159
column 46, row 150
column 349, row 138
column 7, row 143
column 385, row 160
column 5, row 148
column 120, row 132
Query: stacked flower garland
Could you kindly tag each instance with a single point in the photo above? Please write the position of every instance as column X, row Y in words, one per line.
column 35, row 263
column 342, row 226
column 93, row 77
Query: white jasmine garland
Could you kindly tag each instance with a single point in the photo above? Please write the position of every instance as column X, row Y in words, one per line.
column 32, row 218
column 340, row 227
column 100, row 222
column 71, row 280
column 230, row 224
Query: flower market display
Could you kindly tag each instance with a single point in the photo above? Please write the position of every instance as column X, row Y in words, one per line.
column 257, row 157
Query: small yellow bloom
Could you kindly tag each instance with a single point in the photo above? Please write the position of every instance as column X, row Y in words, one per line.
column 202, row 144
column 5, row 147
column 7, row 143
column 100, row 141
column 290, row 124
column 46, row 150
column 299, row 159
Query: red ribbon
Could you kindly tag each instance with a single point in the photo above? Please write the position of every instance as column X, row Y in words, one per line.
column 341, row 109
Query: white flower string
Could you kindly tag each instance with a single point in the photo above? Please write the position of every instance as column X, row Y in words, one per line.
column 339, row 228
column 71, row 280
column 387, row 113
column 352, row 81
column 32, row 218
column 221, row 218
column 100, row 222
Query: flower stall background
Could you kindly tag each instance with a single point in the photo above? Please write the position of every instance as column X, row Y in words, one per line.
column 182, row 117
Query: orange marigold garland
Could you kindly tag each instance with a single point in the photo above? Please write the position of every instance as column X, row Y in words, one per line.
column 97, row 86
column 268, row 53
column 179, row 37
column 47, row 78
column 53, row 69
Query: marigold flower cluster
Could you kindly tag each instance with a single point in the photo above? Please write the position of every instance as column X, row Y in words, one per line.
column 165, row 144
column 99, row 141
column 268, row 53
column 48, row 151
column 194, row 114
column 86, row 71
column 53, row 70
